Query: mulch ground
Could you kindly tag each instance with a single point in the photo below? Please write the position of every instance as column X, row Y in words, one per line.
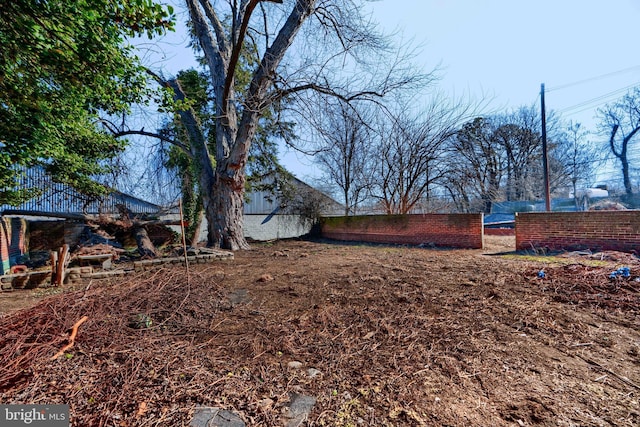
column 384, row 336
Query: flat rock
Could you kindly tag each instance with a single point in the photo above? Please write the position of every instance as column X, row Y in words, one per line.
column 238, row 296
column 298, row 409
column 215, row 417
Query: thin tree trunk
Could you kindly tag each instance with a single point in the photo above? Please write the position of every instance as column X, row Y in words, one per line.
column 625, row 176
column 194, row 236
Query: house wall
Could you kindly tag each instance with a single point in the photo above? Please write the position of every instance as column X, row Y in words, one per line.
column 270, row 227
column 594, row 230
column 445, row 230
column 264, row 227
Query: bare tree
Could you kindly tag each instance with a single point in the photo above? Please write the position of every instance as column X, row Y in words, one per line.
column 499, row 158
column 518, row 134
column 335, row 35
column 622, row 121
column 345, row 151
column 411, row 153
column 477, row 164
column 578, row 157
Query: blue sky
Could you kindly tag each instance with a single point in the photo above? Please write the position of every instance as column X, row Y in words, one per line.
column 507, row 48
column 584, row 51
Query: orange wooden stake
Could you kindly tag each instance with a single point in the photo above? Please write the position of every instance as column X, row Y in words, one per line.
column 72, row 337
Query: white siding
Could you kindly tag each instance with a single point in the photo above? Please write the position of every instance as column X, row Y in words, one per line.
column 270, row 227
column 258, row 203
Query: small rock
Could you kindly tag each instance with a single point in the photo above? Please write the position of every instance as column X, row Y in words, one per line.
column 313, row 372
column 294, row 364
column 280, row 253
column 266, row 278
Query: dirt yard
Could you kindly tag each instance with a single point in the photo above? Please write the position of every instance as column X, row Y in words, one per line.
column 377, row 335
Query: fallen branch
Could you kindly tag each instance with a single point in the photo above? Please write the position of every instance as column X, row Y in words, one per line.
column 72, row 337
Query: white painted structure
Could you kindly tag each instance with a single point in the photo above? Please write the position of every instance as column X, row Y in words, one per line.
column 264, row 219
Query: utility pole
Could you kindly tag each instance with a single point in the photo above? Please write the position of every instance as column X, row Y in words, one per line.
column 545, row 157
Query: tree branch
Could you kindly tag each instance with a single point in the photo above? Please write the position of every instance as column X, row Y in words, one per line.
column 282, row 93
column 611, row 140
column 198, row 144
column 257, row 91
column 246, row 11
column 223, row 44
column 213, row 51
column 142, row 132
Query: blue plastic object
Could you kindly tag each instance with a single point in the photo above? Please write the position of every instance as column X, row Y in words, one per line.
column 622, row 271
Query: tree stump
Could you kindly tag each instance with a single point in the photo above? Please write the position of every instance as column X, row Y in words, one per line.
column 145, row 245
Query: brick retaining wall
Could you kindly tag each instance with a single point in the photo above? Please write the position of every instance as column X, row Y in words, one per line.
column 444, row 230
column 593, row 230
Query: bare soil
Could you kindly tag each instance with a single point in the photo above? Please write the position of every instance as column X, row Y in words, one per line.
column 385, row 336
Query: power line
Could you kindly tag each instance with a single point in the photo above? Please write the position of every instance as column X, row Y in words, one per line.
column 597, row 100
column 590, row 79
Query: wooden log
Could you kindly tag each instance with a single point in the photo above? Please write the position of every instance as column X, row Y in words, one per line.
column 54, row 268
column 64, row 257
column 145, row 245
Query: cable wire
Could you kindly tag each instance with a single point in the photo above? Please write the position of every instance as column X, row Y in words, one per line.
column 590, row 79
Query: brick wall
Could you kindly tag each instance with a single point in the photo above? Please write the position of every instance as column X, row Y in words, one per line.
column 5, row 241
column 445, row 230
column 594, row 230
column 18, row 246
column 13, row 234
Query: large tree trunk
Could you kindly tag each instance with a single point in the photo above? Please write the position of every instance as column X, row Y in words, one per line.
column 223, row 189
column 225, row 215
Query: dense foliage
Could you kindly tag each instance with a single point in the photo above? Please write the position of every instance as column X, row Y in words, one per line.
column 61, row 64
